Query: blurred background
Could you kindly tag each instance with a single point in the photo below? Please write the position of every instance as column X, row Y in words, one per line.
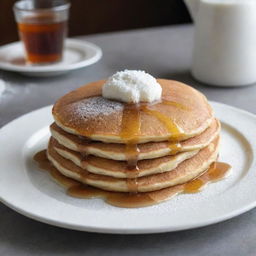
column 97, row 16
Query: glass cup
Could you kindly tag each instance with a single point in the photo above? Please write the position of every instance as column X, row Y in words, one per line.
column 42, row 26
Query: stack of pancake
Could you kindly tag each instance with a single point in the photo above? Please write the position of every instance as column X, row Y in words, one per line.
column 120, row 147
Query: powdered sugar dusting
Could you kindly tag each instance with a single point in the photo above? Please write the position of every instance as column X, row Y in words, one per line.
column 95, row 107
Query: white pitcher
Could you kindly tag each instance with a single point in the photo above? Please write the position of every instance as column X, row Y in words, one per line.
column 225, row 41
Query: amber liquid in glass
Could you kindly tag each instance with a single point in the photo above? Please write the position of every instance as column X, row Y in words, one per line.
column 43, row 38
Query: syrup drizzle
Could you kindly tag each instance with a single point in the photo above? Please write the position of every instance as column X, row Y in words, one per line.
column 130, row 129
column 217, row 171
column 169, row 124
column 129, row 132
column 175, row 134
column 83, row 148
column 174, row 147
column 175, row 104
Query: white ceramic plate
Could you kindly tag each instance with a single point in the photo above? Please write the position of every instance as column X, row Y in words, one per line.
column 29, row 191
column 77, row 54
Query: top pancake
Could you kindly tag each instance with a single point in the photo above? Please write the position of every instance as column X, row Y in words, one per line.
column 183, row 113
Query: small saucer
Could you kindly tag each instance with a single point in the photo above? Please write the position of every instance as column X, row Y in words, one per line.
column 77, row 54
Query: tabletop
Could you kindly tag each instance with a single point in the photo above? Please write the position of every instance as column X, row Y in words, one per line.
column 163, row 52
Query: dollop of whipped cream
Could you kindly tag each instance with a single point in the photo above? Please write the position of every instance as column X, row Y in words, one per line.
column 132, row 86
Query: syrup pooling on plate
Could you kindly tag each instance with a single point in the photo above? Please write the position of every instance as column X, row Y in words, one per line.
column 217, row 171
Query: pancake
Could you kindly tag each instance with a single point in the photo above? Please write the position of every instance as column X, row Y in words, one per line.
column 187, row 170
column 150, row 150
column 183, row 113
column 118, row 169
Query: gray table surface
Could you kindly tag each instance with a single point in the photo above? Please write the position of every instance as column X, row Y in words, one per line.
column 164, row 52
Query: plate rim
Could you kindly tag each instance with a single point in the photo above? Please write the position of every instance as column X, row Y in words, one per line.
column 69, row 42
column 132, row 230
